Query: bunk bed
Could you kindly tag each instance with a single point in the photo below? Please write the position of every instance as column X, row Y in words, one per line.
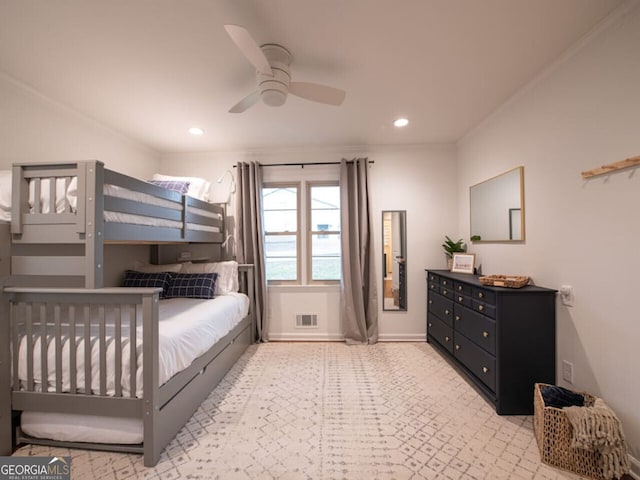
column 102, row 354
column 64, row 213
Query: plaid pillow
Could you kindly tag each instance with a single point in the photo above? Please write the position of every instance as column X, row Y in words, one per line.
column 192, row 285
column 178, row 186
column 148, row 280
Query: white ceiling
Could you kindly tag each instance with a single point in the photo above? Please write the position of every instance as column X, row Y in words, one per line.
column 153, row 68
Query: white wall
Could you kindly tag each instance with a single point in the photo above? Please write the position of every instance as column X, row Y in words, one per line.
column 420, row 180
column 580, row 114
column 34, row 128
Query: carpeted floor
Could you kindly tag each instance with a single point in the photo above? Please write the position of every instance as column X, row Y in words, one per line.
column 331, row 411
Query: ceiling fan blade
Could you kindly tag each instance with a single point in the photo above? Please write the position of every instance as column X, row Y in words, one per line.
column 248, row 46
column 317, row 93
column 245, row 103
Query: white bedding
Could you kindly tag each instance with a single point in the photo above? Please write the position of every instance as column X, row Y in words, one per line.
column 188, row 328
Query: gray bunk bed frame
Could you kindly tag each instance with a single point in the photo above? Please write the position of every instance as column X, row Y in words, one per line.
column 67, row 247
column 73, row 311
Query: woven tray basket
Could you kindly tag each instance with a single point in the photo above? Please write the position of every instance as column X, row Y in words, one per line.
column 553, row 433
column 511, row 281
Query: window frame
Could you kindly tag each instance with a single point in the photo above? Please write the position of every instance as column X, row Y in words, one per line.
column 298, row 186
column 308, row 185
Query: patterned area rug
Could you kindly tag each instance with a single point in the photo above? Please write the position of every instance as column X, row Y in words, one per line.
column 331, row 411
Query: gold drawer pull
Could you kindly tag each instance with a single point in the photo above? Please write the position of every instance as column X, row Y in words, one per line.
column 457, row 347
column 485, row 369
column 460, row 297
column 457, row 318
column 430, row 301
column 485, row 334
column 446, row 312
column 430, row 324
column 480, row 295
column 433, row 287
column 459, row 288
column 444, row 292
column 481, row 307
column 444, row 282
column 446, row 339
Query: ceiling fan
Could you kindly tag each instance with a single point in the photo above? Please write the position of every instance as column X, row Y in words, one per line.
column 274, row 80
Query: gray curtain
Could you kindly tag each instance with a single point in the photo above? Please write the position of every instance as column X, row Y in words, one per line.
column 250, row 245
column 359, row 301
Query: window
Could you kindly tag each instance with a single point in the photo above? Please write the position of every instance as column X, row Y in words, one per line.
column 302, row 233
column 280, row 206
column 324, row 232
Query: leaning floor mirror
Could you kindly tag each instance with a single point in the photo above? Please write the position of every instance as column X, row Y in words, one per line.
column 394, row 260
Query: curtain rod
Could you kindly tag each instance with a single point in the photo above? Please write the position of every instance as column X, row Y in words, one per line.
column 302, row 165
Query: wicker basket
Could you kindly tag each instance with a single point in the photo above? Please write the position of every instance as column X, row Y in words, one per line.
column 510, row 281
column 553, row 433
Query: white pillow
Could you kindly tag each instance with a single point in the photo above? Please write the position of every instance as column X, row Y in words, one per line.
column 152, row 268
column 5, row 195
column 227, row 281
column 198, row 187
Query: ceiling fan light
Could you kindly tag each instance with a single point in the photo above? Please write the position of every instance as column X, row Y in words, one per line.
column 273, row 98
column 196, row 131
column 401, row 122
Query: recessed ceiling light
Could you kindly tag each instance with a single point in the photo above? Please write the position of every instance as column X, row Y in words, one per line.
column 196, row 131
column 401, row 122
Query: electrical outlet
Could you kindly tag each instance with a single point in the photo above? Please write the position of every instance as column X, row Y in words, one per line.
column 567, row 371
column 566, row 295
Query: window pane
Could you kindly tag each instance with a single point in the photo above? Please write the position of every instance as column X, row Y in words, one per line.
column 325, row 268
column 280, row 221
column 325, row 257
column 280, row 246
column 281, row 257
column 325, row 196
column 325, row 220
column 280, row 198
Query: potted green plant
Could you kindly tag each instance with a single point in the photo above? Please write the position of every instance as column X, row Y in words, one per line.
column 451, row 247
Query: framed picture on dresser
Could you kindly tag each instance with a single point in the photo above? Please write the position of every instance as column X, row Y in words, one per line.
column 463, row 262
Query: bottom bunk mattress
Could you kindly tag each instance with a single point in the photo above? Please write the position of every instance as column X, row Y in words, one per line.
column 187, row 329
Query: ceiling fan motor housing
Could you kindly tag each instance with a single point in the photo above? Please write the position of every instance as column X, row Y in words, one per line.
column 274, row 88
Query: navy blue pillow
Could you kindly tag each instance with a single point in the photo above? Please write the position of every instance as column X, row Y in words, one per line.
column 148, row 280
column 192, row 285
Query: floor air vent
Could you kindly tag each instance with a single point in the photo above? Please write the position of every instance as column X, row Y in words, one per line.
column 307, row 320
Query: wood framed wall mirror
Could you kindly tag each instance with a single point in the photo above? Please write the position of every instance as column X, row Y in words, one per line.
column 497, row 208
column 394, row 260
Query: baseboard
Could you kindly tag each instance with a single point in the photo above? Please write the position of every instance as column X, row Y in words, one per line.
column 305, row 337
column 635, row 467
column 402, row 337
column 335, row 337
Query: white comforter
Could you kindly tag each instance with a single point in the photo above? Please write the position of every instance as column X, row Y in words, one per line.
column 187, row 329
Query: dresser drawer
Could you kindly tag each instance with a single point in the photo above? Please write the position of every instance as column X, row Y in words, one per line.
column 446, row 283
column 442, row 307
column 484, row 296
column 440, row 331
column 447, row 292
column 462, row 299
column 478, row 328
column 433, row 283
column 484, row 308
column 462, row 288
column 481, row 364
